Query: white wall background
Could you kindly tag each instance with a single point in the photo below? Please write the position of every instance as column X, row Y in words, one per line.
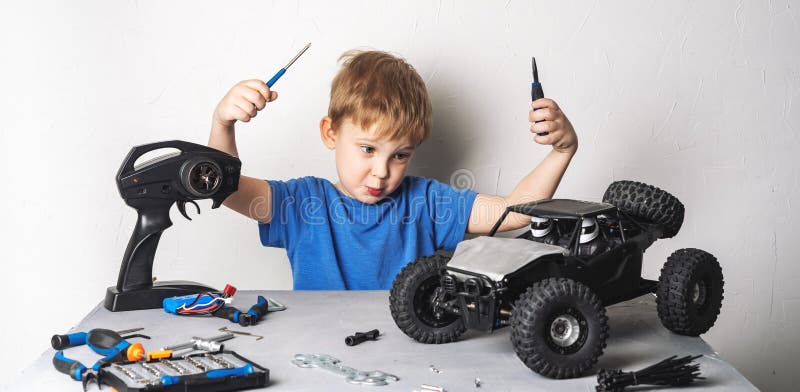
column 698, row 98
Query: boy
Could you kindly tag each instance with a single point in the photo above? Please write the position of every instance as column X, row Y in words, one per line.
column 359, row 232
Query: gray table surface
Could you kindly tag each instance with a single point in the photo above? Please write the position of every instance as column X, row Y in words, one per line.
column 318, row 322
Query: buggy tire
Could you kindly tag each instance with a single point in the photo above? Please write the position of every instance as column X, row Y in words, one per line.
column 411, row 306
column 647, row 202
column 538, row 333
column 690, row 292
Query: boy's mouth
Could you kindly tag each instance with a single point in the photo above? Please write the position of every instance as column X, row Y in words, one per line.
column 374, row 191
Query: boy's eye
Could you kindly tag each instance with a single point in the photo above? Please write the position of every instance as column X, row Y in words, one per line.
column 401, row 156
column 367, row 149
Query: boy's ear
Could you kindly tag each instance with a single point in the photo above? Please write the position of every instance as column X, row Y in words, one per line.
column 327, row 133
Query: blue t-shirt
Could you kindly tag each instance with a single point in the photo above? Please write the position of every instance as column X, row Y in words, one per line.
column 335, row 242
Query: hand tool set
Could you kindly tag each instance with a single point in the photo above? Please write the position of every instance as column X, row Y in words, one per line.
column 125, row 368
column 215, row 371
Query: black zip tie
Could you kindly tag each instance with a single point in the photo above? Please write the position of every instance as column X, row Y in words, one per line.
column 672, row 371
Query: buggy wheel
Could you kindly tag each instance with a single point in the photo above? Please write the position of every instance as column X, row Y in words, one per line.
column 559, row 328
column 413, row 300
column 647, row 202
column 689, row 294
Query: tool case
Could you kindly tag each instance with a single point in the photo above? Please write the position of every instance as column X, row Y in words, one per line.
column 216, row 371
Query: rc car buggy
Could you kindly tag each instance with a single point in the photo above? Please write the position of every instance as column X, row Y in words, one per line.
column 552, row 283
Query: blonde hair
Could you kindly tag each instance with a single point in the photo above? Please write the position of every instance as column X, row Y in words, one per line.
column 377, row 87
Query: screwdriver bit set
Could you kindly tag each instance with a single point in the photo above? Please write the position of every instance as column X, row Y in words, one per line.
column 217, row 371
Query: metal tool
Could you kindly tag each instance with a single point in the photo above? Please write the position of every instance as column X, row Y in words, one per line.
column 174, row 366
column 128, row 372
column 361, row 337
column 219, row 361
column 225, row 329
column 275, row 306
column 536, row 89
column 151, row 369
column 131, row 330
column 283, row 70
column 243, row 333
column 196, row 363
column 352, row 376
column 205, row 344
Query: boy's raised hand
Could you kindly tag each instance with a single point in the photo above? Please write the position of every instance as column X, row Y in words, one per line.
column 243, row 102
column 546, row 116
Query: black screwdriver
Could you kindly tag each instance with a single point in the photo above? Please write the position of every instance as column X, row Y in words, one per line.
column 536, row 90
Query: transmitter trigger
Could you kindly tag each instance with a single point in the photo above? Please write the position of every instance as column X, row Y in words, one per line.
column 182, row 208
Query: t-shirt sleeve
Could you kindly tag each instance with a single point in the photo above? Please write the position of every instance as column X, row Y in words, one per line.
column 279, row 231
column 449, row 209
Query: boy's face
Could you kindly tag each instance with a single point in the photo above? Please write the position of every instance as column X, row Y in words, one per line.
column 369, row 167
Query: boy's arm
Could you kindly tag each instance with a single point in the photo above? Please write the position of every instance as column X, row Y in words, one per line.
column 541, row 183
column 254, row 197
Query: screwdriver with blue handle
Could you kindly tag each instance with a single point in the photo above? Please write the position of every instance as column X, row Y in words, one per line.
column 220, row 374
column 283, row 70
column 536, row 90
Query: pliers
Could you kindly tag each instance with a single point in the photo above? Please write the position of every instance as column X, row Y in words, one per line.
column 245, row 319
column 105, row 342
column 77, row 370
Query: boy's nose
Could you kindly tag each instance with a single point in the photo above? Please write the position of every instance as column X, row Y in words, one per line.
column 380, row 170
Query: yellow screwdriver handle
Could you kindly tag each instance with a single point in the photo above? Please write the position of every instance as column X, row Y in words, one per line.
column 160, row 354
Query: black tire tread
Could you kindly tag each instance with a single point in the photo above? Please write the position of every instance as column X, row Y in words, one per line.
column 674, row 289
column 648, row 202
column 401, row 298
column 523, row 333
